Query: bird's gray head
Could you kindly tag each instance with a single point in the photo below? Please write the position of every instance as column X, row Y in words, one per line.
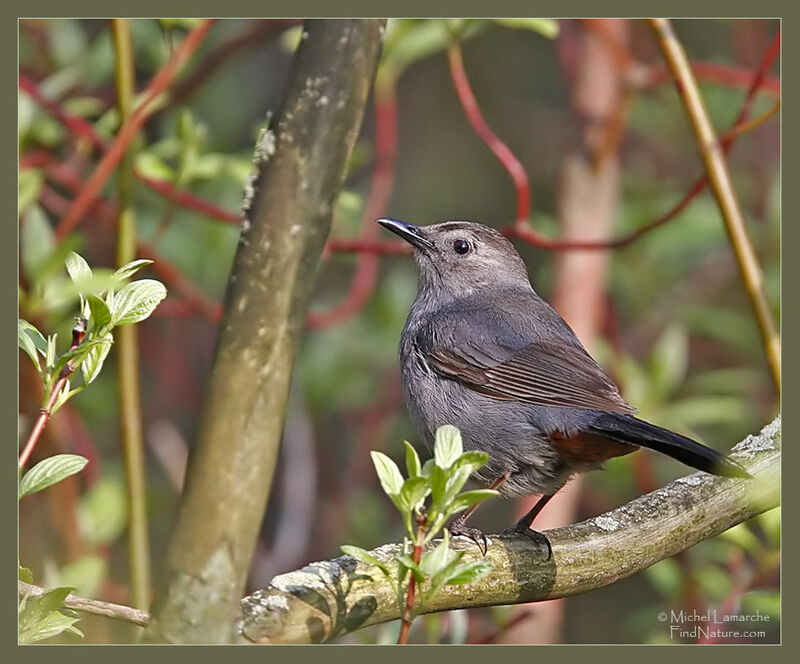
column 461, row 257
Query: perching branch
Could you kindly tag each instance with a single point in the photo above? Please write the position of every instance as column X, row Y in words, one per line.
column 326, row 599
column 301, row 163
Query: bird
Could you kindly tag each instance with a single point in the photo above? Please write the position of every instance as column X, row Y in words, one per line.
column 480, row 350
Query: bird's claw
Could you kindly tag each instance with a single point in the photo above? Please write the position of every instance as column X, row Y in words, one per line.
column 534, row 535
column 476, row 535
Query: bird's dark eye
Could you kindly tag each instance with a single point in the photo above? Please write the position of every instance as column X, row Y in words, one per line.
column 461, row 247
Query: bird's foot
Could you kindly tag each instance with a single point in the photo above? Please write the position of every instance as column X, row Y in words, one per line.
column 457, row 527
column 534, row 535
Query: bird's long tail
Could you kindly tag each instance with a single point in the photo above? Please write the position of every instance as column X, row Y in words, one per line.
column 628, row 429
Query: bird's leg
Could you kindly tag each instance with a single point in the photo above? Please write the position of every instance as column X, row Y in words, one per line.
column 523, row 526
column 457, row 526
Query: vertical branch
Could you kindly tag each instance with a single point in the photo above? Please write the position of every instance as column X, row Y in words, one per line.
column 713, row 157
column 127, row 348
column 301, row 164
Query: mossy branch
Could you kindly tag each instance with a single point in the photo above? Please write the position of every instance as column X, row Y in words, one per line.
column 327, row 599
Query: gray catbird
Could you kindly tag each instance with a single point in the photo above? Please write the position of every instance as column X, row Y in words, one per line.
column 482, row 351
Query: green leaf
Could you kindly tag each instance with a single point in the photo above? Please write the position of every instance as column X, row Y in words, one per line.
column 50, row 352
column 151, row 166
column 546, row 27
column 714, row 580
column 136, row 301
column 470, row 498
column 455, row 483
column 30, row 181
column 742, row 536
column 103, row 511
column 406, row 563
column 77, row 268
column 101, row 314
column 86, row 575
column 365, row 557
column 61, row 293
column 435, row 560
column 31, row 341
column 49, row 471
column 44, row 616
column 447, row 446
column 129, row 269
column 38, row 339
column 764, row 601
column 93, row 362
column 25, row 574
column 770, row 522
column 669, row 360
column 698, row 411
column 407, row 40
column 388, row 473
column 37, row 241
column 78, row 354
column 414, row 491
column 65, row 394
column 438, row 488
column 442, row 563
column 412, row 460
column 468, row 573
column 471, row 460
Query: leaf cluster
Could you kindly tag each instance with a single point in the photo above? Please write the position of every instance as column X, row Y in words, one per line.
column 426, row 499
column 104, row 305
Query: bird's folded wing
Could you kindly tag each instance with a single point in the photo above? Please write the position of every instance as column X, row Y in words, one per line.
column 541, row 373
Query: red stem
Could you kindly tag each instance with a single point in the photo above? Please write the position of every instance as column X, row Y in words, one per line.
column 408, row 613
column 500, row 150
column 130, row 128
column 78, row 333
column 520, row 228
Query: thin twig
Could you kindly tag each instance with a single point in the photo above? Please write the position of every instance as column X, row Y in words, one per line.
column 93, row 606
column 717, row 172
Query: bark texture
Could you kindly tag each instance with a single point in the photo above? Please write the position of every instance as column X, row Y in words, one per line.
column 300, row 165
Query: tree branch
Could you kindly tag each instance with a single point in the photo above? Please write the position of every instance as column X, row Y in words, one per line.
column 327, row 599
column 93, row 606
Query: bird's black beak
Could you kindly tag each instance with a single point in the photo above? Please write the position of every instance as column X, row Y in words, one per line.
column 409, row 233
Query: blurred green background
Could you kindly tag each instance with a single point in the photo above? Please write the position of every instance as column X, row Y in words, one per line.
column 679, row 336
